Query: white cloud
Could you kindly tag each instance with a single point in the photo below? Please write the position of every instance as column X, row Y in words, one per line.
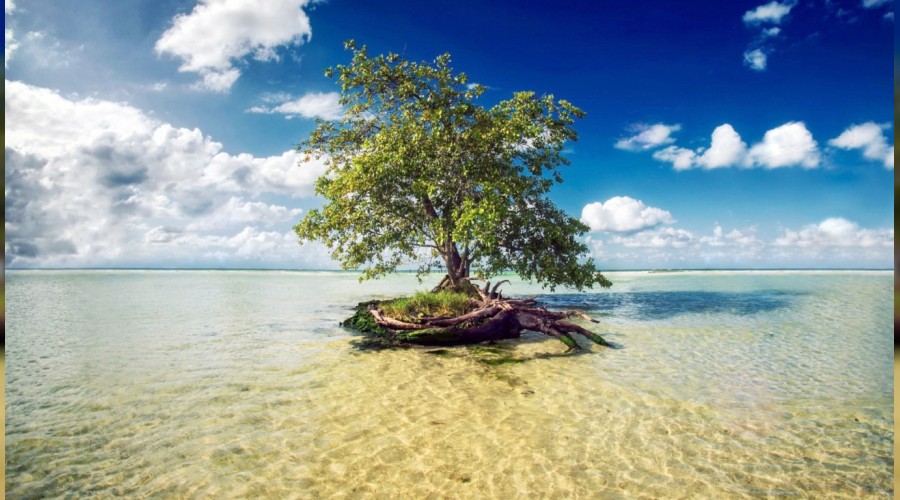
column 648, row 136
column 623, row 214
column 755, row 59
column 275, row 97
column 219, row 32
column 734, row 238
column 43, row 50
column 251, row 242
column 595, row 246
column 92, row 182
column 835, row 241
column 836, row 232
column 870, row 138
column 772, row 12
column 248, row 246
column 680, row 158
column 272, row 174
column 216, row 80
column 790, row 144
column 10, row 47
column 325, row 105
column 157, row 86
column 764, row 17
column 871, row 4
column 236, row 210
column 726, row 149
column 665, row 237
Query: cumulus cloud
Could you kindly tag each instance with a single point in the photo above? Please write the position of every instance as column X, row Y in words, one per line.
column 870, row 138
column 240, row 211
column 726, row 149
column 772, row 12
column 836, row 232
column 788, row 145
column 755, row 59
column 325, row 105
column 10, row 6
column 217, row 81
column 648, row 136
column 871, row 4
column 217, row 33
column 623, row 214
column 680, row 158
column 93, row 182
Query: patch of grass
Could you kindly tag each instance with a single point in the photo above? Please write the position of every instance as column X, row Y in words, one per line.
column 362, row 322
column 427, row 304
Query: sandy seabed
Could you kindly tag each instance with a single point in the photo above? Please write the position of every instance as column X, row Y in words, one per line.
column 240, row 385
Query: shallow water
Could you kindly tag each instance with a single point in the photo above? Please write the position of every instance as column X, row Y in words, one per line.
column 239, row 383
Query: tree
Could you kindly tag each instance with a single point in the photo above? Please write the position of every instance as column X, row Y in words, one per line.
column 419, row 171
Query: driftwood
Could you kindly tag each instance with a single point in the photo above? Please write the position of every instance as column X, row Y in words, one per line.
column 494, row 318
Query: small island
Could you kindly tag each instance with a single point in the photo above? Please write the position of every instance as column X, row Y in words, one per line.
column 421, row 174
column 452, row 318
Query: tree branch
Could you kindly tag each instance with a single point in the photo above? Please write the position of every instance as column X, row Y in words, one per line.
column 429, row 207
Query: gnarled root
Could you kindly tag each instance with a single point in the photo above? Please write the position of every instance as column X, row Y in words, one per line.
column 495, row 318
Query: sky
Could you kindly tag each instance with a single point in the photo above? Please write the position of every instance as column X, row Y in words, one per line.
column 739, row 134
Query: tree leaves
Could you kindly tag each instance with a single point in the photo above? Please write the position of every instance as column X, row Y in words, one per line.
column 417, row 168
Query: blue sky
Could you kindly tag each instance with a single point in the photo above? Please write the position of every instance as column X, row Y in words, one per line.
column 718, row 134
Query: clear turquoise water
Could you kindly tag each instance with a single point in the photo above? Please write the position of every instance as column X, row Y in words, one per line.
column 241, row 384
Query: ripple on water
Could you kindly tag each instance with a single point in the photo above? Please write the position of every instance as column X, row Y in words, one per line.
column 727, row 386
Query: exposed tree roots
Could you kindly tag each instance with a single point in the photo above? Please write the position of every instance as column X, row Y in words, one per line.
column 492, row 318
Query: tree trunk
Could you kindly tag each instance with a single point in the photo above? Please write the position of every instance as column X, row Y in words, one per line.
column 455, row 266
column 457, row 277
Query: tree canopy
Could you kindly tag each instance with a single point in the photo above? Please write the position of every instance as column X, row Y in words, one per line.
column 420, row 173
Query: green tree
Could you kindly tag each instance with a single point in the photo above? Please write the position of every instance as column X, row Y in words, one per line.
column 419, row 172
